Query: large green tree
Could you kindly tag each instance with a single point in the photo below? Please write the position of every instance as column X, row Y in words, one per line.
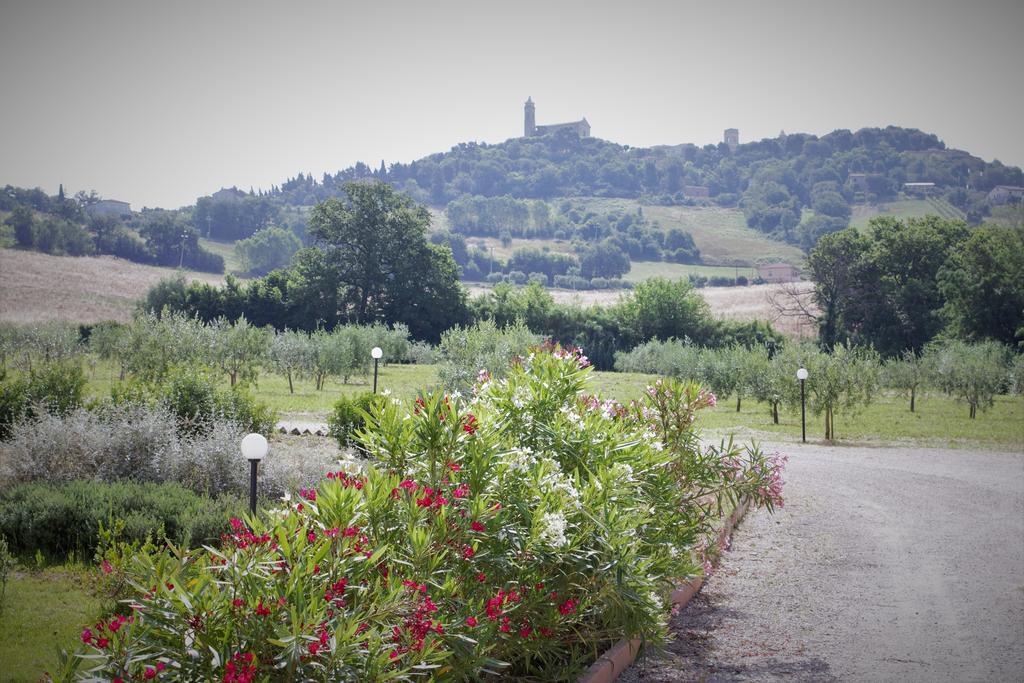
column 880, row 288
column 983, row 284
column 375, row 241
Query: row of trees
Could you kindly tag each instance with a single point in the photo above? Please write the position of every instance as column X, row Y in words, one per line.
column 903, row 282
column 844, row 380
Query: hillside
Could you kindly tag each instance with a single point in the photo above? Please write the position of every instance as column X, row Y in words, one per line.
column 36, row 287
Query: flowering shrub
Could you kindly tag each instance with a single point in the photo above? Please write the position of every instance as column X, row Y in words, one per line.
column 512, row 533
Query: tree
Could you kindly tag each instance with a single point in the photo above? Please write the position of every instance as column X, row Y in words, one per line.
column 21, row 220
column 983, row 286
column 663, row 309
column 603, row 260
column 267, row 249
column 375, row 241
column 907, row 374
column 238, row 349
column 974, row 373
column 289, row 352
column 844, row 379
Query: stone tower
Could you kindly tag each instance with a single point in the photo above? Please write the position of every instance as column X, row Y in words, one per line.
column 529, row 118
column 732, row 138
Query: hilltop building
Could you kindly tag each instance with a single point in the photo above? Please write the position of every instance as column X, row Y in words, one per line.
column 778, row 272
column 732, row 138
column 530, row 127
column 918, row 189
column 1003, row 194
column 109, row 207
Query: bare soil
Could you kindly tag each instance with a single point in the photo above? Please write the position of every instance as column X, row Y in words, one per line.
column 886, row 564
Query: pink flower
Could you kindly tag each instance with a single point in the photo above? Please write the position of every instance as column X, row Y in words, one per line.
column 86, row 636
column 236, row 524
column 461, row 491
column 467, row 552
column 454, row 466
column 106, row 567
column 150, row 673
column 477, row 526
column 471, row 621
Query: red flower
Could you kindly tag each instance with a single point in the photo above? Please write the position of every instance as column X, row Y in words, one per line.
column 471, row 621
column 471, row 424
column 86, row 636
column 467, row 552
column 238, row 602
column 454, row 466
column 261, row 610
column 160, row 666
column 477, row 526
column 102, row 643
column 408, row 485
column 525, row 631
column 567, row 607
column 461, row 491
column 236, row 524
column 105, row 566
column 546, row 632
column 150, row 673
column 481, row 577
column 314, row 647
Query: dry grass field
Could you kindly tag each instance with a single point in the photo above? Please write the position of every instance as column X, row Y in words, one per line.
column 35, row 287
column 727, row 303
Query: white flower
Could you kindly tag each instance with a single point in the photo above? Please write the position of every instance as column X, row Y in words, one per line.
column 553, row 529
column 385, row 392
column 520, row 459
column 622, row 471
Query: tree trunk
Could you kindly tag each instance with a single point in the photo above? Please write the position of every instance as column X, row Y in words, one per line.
column 291, row 389
column 974, row 410
column 912, row 392
column 738, row 399
column 234, row 376
column 828, row 424
column 775, row 413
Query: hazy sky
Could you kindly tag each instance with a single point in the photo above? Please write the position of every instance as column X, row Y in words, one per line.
column 157, row 103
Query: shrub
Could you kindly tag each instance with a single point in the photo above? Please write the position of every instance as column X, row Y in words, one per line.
column 349, row 416
column 67, row 517
column 466, row 352
column 480, row 548
column 143, row 443
column 197, row 402
column 422, row 353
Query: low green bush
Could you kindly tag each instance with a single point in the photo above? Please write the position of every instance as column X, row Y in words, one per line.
column 57, row 387
column 348, row 416
column 56, row 520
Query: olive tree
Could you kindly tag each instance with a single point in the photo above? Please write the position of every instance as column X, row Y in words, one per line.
column 845, row 379
column 974, row 373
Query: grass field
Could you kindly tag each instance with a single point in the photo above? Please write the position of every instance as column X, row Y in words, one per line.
column 43, row 613
column 721, row 234
column 645, row 270
column 938, row 421
column 225, row 250
column 906, row 208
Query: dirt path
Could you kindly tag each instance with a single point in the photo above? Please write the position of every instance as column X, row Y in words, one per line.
column 886, row 564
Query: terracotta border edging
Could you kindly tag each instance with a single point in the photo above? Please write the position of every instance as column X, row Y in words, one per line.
column 618, row 658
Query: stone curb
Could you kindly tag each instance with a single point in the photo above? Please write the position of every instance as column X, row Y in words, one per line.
column 617, row 659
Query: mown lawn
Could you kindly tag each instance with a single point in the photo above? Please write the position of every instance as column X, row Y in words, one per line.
column 43, row 613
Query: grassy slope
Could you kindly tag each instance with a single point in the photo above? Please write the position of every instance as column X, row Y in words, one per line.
column 36, row 286
column 43, row 613
column 906, row 208
column 721, row 234
column 225, row 250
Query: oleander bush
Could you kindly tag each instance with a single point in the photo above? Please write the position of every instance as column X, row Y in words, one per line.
column 508, row 535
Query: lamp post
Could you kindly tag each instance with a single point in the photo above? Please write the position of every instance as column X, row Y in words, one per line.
column 254, row 448
column 801, row 375
column 377, row 354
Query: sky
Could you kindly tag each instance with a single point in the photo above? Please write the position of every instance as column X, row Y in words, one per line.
column 158, row 103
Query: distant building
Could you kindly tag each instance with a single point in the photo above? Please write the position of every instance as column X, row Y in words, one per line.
column 230, row 194
column 695, row 191
column 1001, row 194
column 858, row 181
column 109, row 207
column 918, row 188
column 732, row 138
column 778, row 272
column 530, row 127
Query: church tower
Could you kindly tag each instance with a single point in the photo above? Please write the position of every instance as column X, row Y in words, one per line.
column 529, row 119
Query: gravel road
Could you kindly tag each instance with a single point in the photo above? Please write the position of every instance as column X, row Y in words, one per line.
column 886, row 564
